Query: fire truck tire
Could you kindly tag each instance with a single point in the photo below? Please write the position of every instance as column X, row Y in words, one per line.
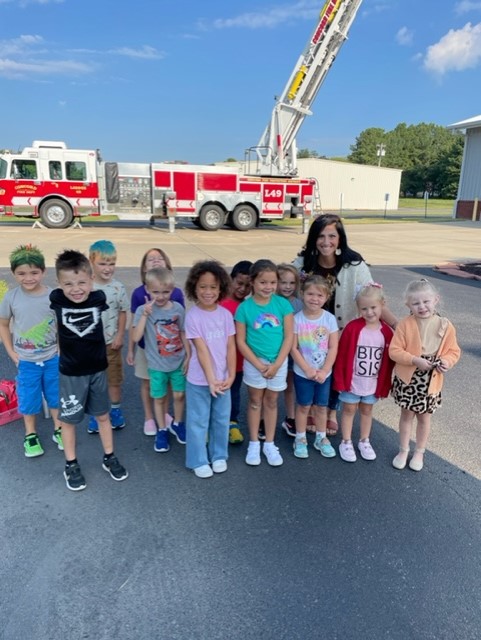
column 56, row 214
column 212, row 217
column 244, row 217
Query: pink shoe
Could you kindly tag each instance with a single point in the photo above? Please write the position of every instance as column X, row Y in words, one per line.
column 150, row 428
column 168, row 420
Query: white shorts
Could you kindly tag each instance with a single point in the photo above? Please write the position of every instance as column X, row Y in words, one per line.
column 254, row 378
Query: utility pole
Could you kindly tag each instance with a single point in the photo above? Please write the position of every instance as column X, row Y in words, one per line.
column 380, row 152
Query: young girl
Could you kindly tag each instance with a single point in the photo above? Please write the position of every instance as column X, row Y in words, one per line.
column 264, row 337
column 210, row 330
column 314, row 351
column 424, row 347
column 152, row 259
column 363, row 369
column 288, row 287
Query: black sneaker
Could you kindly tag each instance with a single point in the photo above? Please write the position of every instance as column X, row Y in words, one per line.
column 289, row 426
column 262, row 431
column 116, row 470
column 74, row 478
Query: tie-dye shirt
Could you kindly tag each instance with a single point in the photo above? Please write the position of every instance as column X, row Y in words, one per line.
column 313, row 338
column 264, row 325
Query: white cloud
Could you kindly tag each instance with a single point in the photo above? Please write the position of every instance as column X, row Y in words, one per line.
column 270, row 17
column 465, row 6
column 404, row 36
column 458, row 50
column 15, row 69
column 146, row 52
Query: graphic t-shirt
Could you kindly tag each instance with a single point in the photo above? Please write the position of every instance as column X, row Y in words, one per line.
column 117, row 301
column 80, row 333
column 264, row 325
column 367, row 360
column 313, row 339
column 140, row 294
column 34, row 333
column 164, row 348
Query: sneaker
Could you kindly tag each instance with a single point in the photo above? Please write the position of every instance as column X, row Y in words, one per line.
column 32, row 446
column 325, row 447
column 272, row 454
column 300, row 448
column 178, row 430
column 262, row 431
column 117, row 418
column 168, row 420
column 150, row 428
column 289, row 426
column 253, row 457
column 162, row 441
column 73, row 477
column 93, row 426
column 365, row 449
column 346, row 451
column 219, row 466
column 57, row 438
column 204, row 471
column 116, row 470
column 235, row 436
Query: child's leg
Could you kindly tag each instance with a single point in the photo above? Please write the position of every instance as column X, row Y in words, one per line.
column 146, row 399
column 68, row 437
column 115, row 393
column 198, row 405
column 179, row 405
column 348, row 412
column 289, row 396
column 365, row 411
column 320, row 420
column 219, row 427
column 405, row 427
column 30, row 422
column 254, row 408
column 269, row 408
column 301, row 419
column 422, row 434
column 105, row 432
column 160, row 406
column 235, row 392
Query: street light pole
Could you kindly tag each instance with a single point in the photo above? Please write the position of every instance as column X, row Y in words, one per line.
column 380, row 152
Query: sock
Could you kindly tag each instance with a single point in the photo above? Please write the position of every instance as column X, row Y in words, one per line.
column 115, row 406
column 162, row 429
column 107, row 456
column 300, row 436
column 69, row 462
column 254, row 443
column 320, row 434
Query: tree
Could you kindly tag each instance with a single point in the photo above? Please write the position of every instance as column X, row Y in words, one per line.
column 364, row 150
column 307, row 153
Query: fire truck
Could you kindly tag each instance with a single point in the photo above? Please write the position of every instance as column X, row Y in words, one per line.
column 55, row 184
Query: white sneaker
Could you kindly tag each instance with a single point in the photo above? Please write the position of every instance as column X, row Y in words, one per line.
column 150, row 428
column 272, row 454
column 219, row 466
column 346, row 451
column 204, row 471
column 253, row 457
column 365, row 449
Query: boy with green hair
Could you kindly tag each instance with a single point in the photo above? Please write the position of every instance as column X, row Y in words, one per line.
column 103, row 258
column 32, row 344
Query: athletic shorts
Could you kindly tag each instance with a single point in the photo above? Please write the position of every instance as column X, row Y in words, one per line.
column 159, row 382
column 83, row 395
column 35, row 379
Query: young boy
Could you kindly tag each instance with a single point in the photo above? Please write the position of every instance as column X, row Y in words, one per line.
column 160, row 322
column 33, row 347
column 240, row 289
column 103, row 258
column 83, row 362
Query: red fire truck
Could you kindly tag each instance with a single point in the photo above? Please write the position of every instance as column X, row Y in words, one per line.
column 57, row 184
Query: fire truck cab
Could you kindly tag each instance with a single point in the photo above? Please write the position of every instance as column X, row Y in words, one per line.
column 50, row 182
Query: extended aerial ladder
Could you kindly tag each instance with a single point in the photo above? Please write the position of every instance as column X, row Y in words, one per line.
column 276, row 153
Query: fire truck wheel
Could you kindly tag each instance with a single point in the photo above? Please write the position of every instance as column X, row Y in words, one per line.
column 56, row 214
column 244, row 217
column 212, row 217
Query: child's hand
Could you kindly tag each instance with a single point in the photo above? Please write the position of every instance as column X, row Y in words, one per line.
column 216, row 388
column 130, row 358
column 311, row 373
column 148, row 306
column 442, row 365
column 185, row 366
column 270, row 372
column 422, row 364
column 117, row 342
column 320, row 376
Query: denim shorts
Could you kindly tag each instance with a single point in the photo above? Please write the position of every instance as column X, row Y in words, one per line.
column 254, row 378
column 310, row 392
column 33, row 380
column 353, row 398
column 159, row 382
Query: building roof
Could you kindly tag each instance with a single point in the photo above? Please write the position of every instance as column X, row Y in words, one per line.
column 470, row 123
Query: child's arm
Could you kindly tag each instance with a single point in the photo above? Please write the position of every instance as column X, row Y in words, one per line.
column 231, row 363
column 6, row 338
column 398, row 352
column 330, row 358
column 205, row 361
column 245, row 350
column 139, row 329
column 288, row 323
column 452, row 353
column 118, row 340
column 188, row 352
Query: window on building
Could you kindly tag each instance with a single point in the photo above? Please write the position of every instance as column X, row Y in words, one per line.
column 76, row 171
column 55, row 170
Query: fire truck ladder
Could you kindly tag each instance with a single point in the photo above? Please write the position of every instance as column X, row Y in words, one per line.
column 276, row 152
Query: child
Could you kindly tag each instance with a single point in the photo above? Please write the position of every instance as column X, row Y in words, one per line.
column 264, row 337
column 103, row 258
column 83, row 362
column 424, row 347
column 363, row 369
column 288, row 287
column 314, row 350
column 151, row 259
column 240, row 289
column 161, row 323
column 33, row 347
column 210, row 330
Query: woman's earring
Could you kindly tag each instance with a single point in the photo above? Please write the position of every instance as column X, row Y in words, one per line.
column 337, row 252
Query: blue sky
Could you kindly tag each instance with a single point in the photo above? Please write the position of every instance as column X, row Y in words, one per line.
column 155, row 80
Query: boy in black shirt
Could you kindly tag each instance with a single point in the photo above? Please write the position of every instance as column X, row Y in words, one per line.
column 83, row 362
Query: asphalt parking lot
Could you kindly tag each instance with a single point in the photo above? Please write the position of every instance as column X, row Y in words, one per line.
column 315, row 548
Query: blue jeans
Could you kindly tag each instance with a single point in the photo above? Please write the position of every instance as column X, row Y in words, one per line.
column 235, row 392
column 207, row 417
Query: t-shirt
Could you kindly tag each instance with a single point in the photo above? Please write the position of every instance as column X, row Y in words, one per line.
column 117, row 301
column 214, row 327
column 140, row 293
column 34, row 332
column 80, row 333
column 313, row 339
column 231, row 305
column 264, row 325
column 164, row 348
column 367, row 360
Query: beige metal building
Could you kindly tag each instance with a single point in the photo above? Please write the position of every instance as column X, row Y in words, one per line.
column 468, row 202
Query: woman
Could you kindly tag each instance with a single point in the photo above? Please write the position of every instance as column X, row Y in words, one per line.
column 327, row 253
